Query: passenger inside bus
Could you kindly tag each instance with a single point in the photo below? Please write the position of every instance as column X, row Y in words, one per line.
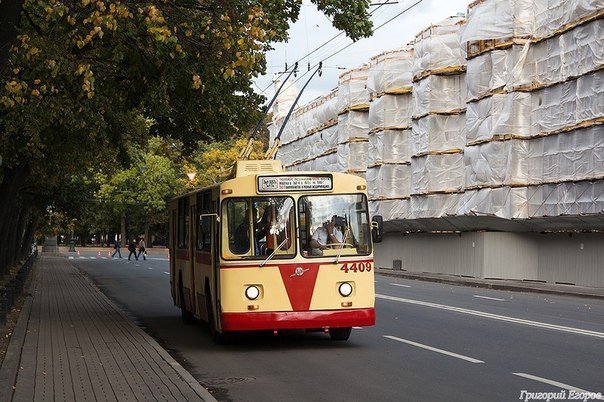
column 242, row 235
column 329, row 233
column 274, row 226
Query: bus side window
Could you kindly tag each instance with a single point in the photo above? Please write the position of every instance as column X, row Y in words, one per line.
column 238, row 226
column 204, row 229
column 183, row 223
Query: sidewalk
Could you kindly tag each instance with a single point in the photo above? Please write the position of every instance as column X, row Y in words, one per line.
column 72, row 343
column 499, row 284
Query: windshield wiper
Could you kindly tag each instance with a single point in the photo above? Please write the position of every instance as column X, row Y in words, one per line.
column 341, row 245
column 274, row 252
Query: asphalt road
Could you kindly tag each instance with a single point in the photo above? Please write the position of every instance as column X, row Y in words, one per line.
column 432, row 342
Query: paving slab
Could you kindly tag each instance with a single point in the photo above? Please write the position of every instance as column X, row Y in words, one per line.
column 72, row 343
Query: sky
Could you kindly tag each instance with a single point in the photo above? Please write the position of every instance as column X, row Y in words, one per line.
column 313, row 29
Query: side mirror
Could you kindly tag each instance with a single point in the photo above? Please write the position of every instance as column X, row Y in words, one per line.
column 377, row 228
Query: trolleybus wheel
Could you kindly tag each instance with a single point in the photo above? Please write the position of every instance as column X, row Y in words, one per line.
column 218, row 337
column 340, row 334
column 187, row 316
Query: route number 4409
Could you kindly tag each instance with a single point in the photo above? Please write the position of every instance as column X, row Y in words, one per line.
column 356, row 267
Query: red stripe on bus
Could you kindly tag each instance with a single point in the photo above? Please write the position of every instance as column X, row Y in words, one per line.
column 298, row 320
column 299, row 283
column 182, row 254
column 203, row 258
column 298, row 263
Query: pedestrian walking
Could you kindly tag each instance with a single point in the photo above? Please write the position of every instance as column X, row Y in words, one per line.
column 117, row 248
column 132, row 249
column 141, row 249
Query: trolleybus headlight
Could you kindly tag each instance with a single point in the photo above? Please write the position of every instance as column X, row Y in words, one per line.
column 252, row 292
column 345, row 289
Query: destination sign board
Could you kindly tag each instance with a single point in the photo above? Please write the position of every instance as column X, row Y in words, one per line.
column 270, row 184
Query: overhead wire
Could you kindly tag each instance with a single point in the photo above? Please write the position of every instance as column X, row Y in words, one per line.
column 352, row 43
column 322, row 46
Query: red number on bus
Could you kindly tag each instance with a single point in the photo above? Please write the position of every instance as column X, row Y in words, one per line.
column 344, row 268
column 361, row 267
column 368, row 267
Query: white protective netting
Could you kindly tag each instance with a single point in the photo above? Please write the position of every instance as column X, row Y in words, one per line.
column 352, row 156
column 353, row 125
column 390, row 111
column 439, row 94
column 552, row 15
column 389, row 146
column 352, row 89
column 438, row 133
column 499, row 19
column 435, row 173
column 389, row 181
column 438, row 47
column 390, row 71
column 571, row 54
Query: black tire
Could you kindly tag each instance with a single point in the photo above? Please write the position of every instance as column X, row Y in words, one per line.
column 340, row 334
column 187, row 317
column 219, row 338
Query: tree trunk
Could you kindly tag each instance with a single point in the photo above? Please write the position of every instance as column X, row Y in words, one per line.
column 30, row 232
column 10, row 12
column 147, row 240
column 123, row 229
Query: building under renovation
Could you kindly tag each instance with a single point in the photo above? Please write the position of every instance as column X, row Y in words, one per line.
column 482, row 142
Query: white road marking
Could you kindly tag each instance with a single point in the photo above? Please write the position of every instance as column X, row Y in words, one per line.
column 149, row 268
column 167, row 273
column 496, row 316
column 554, row 383
column 104, row 258
column 93, row 258
column 70, row 257
column 357, row 327
column 158, row 259
column 444, row 352
column 489, row 298
column 401, row 285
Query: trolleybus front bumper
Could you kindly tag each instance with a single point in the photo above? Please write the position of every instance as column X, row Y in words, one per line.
column 298, row 319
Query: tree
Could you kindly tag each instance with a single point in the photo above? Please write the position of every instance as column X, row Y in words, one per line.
column 78, row 71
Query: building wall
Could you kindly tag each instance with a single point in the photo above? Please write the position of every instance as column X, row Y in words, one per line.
column 577, row 259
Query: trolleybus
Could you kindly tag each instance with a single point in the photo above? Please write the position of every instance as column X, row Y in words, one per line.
column 274, row 250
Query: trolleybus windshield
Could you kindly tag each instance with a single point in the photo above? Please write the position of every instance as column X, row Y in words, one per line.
column 257, row 226
column 332, row 225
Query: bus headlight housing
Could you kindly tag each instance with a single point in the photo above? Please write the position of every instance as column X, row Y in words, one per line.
column 345, row 289
column 252, row 292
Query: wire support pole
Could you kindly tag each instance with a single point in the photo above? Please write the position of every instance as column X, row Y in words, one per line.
column 293, row 106
column 268, row 107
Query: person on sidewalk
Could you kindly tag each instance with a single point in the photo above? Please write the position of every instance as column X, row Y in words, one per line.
column 141, row 249
column 117, row 248
column 132, row 249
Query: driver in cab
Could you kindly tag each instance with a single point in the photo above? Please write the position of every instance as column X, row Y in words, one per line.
column 326, row 235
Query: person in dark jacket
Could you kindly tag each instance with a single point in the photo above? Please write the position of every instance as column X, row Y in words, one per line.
column 132, row 249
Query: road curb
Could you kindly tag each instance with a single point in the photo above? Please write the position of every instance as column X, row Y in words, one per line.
column 10, row 365
column 182, row 372
column 485, row 285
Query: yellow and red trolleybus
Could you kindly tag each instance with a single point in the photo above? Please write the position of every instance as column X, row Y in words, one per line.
column 274, row 250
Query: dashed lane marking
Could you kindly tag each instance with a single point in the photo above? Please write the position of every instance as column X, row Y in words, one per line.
column 149, row 268
column 70, row 257
column 556, row 384
column 401, row 285
column 357, row 327
column 543, row 325
column 489, row 298
column 444, row 352
column 167, row 273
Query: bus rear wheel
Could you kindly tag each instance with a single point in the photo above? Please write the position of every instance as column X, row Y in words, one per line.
column 340, row 334
column 218, row 337
column 186, row 315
